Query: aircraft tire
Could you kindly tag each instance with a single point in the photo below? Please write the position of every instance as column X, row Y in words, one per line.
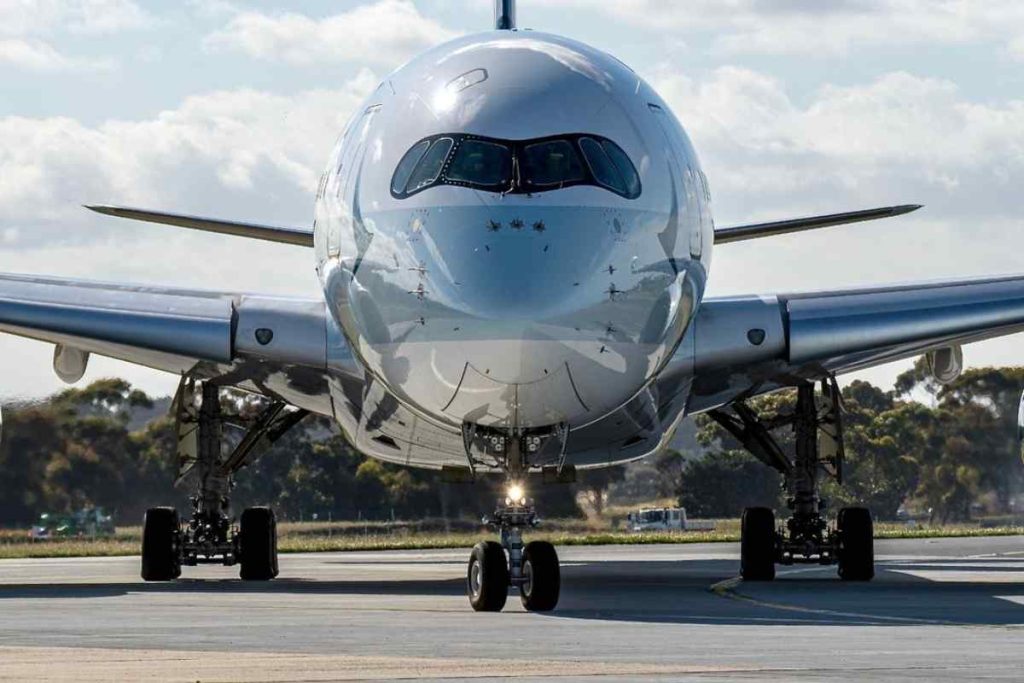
column 487, row 577
column 856, row 552
column 757, row 544
column 540, row 564
column 257, row 546
column 160, row 532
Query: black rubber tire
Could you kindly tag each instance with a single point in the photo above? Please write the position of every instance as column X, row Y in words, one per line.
column 487, row 577
column 540, row 564
column 257, row 544
column 856, row 553
column 757, row 544
column 161, row 529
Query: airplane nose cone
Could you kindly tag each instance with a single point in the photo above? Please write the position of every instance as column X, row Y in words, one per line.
column 523, row 266
column 525, row 316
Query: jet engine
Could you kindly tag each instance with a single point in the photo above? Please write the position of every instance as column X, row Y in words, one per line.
column 945, row 364
column 69, row 363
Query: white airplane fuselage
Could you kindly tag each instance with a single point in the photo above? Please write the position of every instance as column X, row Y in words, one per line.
column 548, row 292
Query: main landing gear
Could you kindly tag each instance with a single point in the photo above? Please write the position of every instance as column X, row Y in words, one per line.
column 211, row 536
column 806, row 538
column 494, row 566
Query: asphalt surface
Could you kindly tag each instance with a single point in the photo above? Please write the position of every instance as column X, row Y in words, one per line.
column 940, row 609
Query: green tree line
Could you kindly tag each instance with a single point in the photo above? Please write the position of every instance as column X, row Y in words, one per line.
column 88, row 447
column 953, row 451
column 939, row 448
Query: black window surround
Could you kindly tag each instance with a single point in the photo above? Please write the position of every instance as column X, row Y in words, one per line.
column 515, row 179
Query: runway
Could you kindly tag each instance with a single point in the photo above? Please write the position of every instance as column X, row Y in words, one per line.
column 939, row 609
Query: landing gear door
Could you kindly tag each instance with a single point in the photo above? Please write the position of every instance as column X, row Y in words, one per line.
column 830, row 430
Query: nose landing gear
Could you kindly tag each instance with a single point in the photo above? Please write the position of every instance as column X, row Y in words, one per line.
column 532, row 568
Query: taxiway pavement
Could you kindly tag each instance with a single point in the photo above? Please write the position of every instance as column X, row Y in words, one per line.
column 940, row 609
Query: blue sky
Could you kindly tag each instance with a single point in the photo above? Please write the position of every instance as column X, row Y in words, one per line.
column 229, row 109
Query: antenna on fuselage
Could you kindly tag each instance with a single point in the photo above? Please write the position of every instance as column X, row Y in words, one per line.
column 504, row 15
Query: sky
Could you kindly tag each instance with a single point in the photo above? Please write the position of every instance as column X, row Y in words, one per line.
column 230, row 109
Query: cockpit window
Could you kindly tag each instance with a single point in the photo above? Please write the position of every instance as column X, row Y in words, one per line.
column 405, row 166
column 515, row 166
column 624, row 166
column 481, row 163
column 555, row 162
column 602, row 167
column 429, row 166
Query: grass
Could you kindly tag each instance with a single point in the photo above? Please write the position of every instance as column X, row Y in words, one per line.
column 351, row 536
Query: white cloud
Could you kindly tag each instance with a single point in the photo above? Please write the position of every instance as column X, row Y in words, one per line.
column 815, row 27
column 27, row 28
column 218, row 147
column 238, row 154
column 214, row 9
column 899, row 137
column 35, row 17
column 386, row 32
column 107, row 16
column 1016, row 47
column 37, row 55
column 896, row 139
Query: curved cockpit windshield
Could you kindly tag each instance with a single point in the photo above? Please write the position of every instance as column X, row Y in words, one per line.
column 515, row 167
column 481, row 163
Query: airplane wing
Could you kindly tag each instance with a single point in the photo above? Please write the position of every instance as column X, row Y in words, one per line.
column 747, row 345
column 256, row 342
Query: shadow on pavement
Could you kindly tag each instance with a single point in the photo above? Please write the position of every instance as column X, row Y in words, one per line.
column 910, row 592
column 679, row 592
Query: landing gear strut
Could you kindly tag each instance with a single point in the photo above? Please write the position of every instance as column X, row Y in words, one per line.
column 807, row 538
column 533, row 568
column 210, row 536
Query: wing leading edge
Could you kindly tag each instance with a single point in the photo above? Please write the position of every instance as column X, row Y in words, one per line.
column 241, row 337
column 748, row 345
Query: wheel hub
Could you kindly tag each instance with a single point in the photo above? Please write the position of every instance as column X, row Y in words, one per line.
column 476, row 585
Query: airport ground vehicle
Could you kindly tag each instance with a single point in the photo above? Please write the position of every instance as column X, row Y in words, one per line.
column 88, row 522
column 665, row 519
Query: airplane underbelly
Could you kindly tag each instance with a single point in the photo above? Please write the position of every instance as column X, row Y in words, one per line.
column 510, row 382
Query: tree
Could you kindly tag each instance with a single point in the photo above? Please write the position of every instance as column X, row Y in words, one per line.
column 727, row 478
column 595, row 483
column 884, row 440
column 980, row 406
column 722, row 484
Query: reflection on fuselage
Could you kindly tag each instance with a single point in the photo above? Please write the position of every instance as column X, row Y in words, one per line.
column 527, row 283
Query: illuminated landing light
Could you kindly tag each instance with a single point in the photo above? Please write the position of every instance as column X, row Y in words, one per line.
column 516, row 495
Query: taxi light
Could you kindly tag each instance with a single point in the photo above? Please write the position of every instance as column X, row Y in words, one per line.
column 516, row 495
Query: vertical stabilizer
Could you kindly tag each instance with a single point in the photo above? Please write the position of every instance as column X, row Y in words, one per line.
column 504, row 15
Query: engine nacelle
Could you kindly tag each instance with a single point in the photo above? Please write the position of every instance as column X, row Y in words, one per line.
column 69, row 363
column 946, row 364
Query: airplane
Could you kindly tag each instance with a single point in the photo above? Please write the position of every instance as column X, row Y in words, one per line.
column 513, row 237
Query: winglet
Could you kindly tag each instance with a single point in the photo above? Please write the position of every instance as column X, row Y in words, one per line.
column 755, row 230
column 270, row 233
